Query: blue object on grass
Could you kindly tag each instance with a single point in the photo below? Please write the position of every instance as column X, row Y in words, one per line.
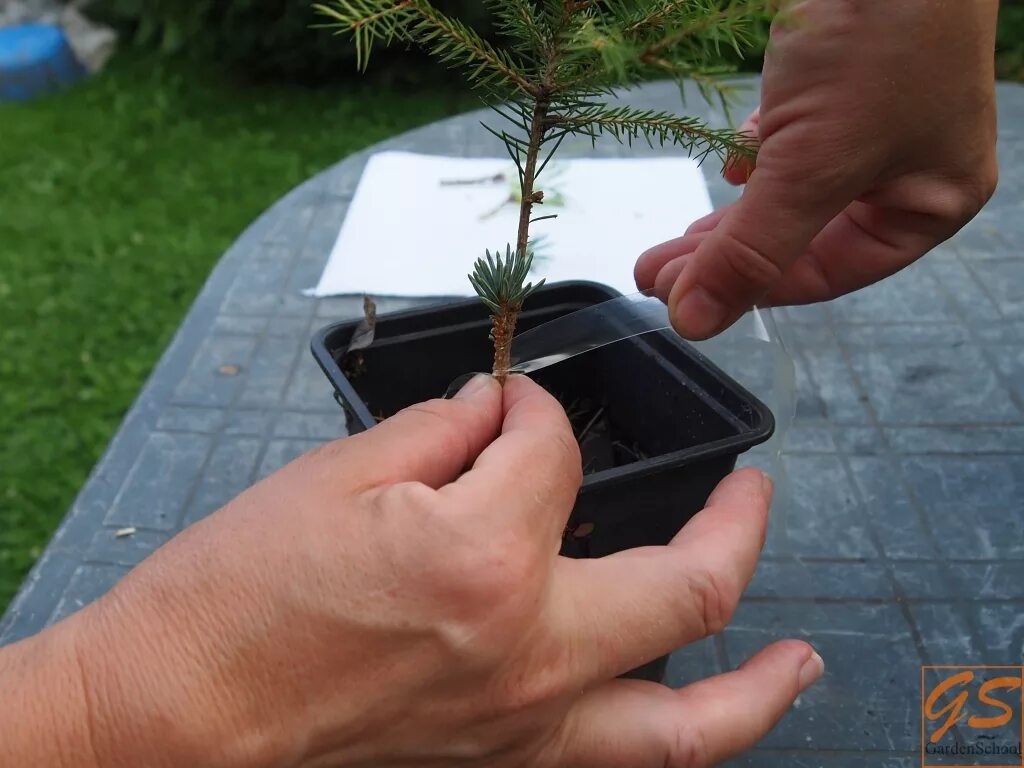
column 35, row 59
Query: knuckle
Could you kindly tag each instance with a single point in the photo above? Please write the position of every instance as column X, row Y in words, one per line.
column 483, row 575
column 410, row 497
column 958, row 201
column 479, row 584
column 487, row 597
column 690, row 748
column 430, row 409
column 982, row 186
column 501, row 567
column 566, row 454
column 748, row 262
column 712, row 600
column 440, row 416
column 530, row 686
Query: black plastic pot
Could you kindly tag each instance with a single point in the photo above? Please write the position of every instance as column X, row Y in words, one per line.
column 673, row 424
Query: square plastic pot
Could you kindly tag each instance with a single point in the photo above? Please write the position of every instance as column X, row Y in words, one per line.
column 675, row 424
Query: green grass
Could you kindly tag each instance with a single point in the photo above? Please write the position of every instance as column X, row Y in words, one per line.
column 116, row 200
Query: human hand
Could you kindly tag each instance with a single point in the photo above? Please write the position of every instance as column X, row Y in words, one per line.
column 877, row 143
column 396, row 599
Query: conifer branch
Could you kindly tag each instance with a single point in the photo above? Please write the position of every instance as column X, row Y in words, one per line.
column 368, row 21
column 418, row 22
column 694, row 27
column 501, row 285
column 659, row 13
column 627, row 125
column 519, row 22
column 562, row 58
column 455, row 43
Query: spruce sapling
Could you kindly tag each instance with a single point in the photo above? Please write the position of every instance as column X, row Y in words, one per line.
column 559, row 65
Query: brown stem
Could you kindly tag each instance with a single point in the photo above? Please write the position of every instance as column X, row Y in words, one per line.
column 504, row 328
column 538, row 125
column 504, row 323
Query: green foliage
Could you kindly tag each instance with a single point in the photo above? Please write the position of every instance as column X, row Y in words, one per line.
column 627, row 125
column 500, row 283
column 558, row 62
column 446, row 38
column 117, row 198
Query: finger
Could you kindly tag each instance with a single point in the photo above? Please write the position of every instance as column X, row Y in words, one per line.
column 753, row 245
column 530, row 475
column 709, row 222
column 633, row 724
column 657, row 599
column 738, row 168
column 430, row 442
column 653, row 260
column 670, row 273
column 667, row 277
column 861, row 246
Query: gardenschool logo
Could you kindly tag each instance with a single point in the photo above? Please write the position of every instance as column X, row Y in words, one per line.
column 972, row 716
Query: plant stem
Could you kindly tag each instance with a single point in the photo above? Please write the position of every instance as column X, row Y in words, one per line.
column 503, row 329
column 504, row 323
column 530, row 196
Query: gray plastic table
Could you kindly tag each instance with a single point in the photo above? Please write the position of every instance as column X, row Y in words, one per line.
column 904, row 544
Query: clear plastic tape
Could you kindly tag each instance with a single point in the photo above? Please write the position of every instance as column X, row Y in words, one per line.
column 587, row 329
column 751, row 352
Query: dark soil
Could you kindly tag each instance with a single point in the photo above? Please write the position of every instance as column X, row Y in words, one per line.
column 600, row 446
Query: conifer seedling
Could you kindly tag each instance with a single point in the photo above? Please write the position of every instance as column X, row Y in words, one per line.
column 552, row 75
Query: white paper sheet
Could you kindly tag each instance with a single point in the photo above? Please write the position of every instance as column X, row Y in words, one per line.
column 413, row 230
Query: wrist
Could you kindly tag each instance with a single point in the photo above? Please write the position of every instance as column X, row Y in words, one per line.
column 158, row 693
column 46, row 718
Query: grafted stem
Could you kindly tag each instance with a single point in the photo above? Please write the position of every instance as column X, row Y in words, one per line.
column 503, row 328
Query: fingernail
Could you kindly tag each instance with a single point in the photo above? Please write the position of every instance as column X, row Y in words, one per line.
column 811, row 671
column 475, row 387
column 767, row 484
column 699, row 314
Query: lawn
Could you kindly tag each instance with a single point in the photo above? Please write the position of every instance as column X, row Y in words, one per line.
column 116, row 199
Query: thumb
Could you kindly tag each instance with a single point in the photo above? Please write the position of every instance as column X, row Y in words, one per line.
column 757, row 240
column 634, row 724
column 431, row 442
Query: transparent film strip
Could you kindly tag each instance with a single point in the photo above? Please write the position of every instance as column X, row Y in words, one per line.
column 751, row 352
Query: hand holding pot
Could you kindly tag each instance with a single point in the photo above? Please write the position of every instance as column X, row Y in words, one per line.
column 877, row 142
column 396, row 599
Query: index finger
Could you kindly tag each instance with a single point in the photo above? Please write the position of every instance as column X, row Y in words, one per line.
column 757, row 240
column 530, row 475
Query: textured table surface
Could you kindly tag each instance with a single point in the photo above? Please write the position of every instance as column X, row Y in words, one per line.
column 903, row 543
